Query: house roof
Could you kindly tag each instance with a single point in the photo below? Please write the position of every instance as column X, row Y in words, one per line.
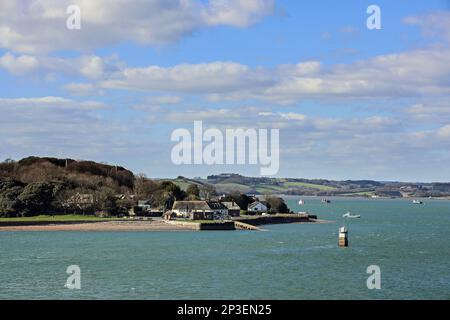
column 198, row 205
column 231, row 205
column 254, row 204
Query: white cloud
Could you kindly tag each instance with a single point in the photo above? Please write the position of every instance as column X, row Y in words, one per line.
column 91, row 67
column 293, row 116
column 84, row 89
column 444, row 132
column 393, row 75
column 429, row 111
column 194, row 78
column 237, row 12
column 368, row 146
column 61, row 127
column 18, row 65
column 54, row 103
column 415, row 73
column 435, row 24
column 411, row 73
column 40, row 26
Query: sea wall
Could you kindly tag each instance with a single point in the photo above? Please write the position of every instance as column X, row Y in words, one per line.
column 227, row 225
column 276, row 219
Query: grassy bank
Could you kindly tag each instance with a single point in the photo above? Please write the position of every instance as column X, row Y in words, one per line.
column 57, row 218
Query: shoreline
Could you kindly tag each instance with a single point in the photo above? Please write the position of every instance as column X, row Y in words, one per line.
column 98, row 226
column 154, row 225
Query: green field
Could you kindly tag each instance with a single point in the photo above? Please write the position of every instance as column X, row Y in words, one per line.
column 233, row 186
column 184, row 183
column 281, row 186
column 181, row 183
column 361, row 194
column 320, row 187
column 270, row 189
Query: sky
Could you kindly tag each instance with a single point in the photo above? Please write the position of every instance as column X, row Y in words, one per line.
column 349, row 102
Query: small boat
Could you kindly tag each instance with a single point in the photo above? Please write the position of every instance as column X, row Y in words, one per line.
column 351, row 216
column 301, row 202
column 325, row 201
column 417, row 202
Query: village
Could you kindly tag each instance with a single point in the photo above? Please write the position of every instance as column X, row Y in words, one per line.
column 201, row 209
column 215, row 213
column 226, row 215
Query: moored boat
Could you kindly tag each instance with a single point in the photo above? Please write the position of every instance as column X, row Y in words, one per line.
column 351, row 216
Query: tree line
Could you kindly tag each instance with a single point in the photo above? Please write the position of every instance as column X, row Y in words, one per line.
column 34, row 186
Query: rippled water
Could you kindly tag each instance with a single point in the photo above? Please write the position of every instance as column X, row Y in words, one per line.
column 410, row 243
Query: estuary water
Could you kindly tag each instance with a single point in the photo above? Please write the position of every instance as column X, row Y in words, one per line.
column 410, row 243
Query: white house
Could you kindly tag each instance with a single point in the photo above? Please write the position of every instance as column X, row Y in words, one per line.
column 199, row 210
column 257, row 207
column 145, row 205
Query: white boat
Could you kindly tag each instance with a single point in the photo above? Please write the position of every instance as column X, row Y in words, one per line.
column 417, row 202
column 301, row 202
column 351, row 216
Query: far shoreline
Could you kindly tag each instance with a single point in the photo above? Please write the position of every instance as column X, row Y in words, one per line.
column 347, row 197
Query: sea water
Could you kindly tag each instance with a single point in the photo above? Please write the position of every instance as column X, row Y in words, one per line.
column 410, row 244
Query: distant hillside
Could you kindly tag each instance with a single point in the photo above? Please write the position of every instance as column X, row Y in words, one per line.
column 184, row 183
column 229, row 182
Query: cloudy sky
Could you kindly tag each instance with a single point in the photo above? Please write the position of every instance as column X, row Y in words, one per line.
column 350, row 103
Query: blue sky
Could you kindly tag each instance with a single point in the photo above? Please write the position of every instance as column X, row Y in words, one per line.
column 350, row 103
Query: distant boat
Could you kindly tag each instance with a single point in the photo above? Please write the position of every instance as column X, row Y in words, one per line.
column 351, row 216
column 325, row 201
column 417, row 202
column 301, row 202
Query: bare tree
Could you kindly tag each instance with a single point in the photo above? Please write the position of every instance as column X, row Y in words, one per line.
column 207, row 191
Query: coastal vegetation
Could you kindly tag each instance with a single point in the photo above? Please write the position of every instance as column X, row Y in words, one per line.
column 35, row 186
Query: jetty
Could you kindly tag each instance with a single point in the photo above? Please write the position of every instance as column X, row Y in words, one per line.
column 238, row 225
